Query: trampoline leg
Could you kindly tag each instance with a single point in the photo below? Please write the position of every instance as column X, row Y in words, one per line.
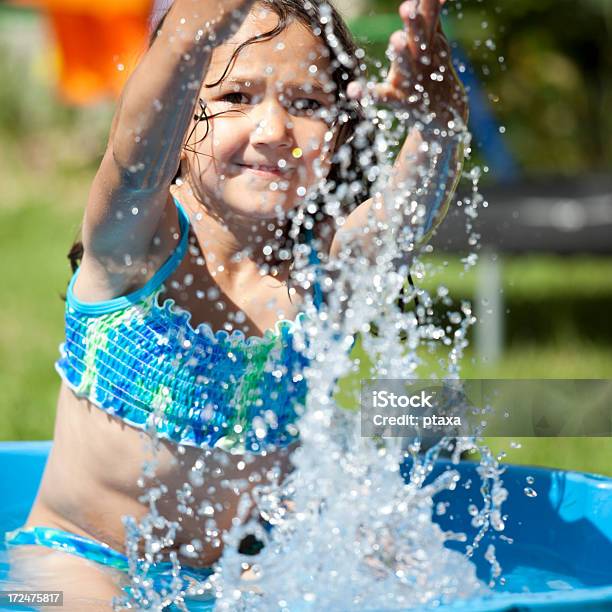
column 489, row 309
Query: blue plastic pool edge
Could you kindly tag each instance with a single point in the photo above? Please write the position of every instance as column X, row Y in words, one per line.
column 580, row 503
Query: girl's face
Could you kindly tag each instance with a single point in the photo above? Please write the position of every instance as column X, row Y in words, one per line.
column 269, row 147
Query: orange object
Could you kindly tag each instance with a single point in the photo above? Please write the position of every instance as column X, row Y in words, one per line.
column 98, row 43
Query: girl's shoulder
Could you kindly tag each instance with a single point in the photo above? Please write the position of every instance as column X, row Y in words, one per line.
column 105, row 281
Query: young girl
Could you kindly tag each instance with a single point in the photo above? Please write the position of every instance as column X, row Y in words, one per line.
column 223, row 133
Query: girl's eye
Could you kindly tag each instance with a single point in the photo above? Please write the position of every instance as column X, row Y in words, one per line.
column 235, row 97
column 306, row 105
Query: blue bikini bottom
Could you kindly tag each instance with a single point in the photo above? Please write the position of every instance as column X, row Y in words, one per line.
column 161, row 574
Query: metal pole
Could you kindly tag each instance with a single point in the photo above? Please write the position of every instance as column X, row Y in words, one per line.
column 489, row 308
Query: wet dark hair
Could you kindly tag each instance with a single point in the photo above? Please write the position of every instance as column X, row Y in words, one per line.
column 324, row 21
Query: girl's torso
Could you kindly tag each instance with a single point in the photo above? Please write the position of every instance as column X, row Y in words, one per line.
column 94, row 475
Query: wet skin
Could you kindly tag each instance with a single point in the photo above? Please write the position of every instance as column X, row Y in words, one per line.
column 92, row 476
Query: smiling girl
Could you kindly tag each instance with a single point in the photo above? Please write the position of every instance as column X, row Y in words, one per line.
column 225, row 130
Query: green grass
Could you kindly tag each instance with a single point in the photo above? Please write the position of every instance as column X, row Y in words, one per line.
column 34, row 240
column 577, row 360
column 527, row 278
column 570, row 360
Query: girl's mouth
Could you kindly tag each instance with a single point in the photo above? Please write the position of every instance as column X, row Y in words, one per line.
column 264, row 171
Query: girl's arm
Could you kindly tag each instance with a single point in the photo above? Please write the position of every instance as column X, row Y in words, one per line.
column 131, row 188
column 421, row 81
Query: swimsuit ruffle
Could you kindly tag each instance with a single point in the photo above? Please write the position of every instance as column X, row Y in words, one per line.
column 147, row 365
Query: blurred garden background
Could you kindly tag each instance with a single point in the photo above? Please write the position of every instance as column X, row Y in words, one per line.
column 544, row 71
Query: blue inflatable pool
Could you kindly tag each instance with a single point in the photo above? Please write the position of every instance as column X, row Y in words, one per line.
column 560, row 557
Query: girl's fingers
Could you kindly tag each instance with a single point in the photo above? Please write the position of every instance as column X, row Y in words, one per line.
column 442, row 51
column 441, row 45
column 402, row 66
column 408, row 10
column 385, row 93
column 421, row 16
column 416, row 51
column 430, row 10
column 418, row 29
column 418, row 39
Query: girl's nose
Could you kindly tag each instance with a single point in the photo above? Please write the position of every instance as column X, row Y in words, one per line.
column 271, row 126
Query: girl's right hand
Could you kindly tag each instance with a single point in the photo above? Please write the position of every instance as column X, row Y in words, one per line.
column 159, row 98
column 147, row 135
column 225, row 16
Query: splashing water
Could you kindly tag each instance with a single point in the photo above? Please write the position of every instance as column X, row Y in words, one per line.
column 349, row 530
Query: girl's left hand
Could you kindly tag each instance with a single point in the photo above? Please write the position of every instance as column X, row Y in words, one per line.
column 421, row 77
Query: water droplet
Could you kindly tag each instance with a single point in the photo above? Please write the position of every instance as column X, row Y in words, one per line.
column 240, row 317
column 208, row 510
column 454, row 317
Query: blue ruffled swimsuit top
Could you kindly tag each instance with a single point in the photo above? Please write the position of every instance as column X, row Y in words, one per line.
column 144, row 363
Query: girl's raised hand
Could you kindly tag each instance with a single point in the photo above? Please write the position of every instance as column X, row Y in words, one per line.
column 421, row 78
column 142, row 157
column 217, row 17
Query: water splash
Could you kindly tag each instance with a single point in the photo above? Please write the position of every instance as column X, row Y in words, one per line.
column 348, row 530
